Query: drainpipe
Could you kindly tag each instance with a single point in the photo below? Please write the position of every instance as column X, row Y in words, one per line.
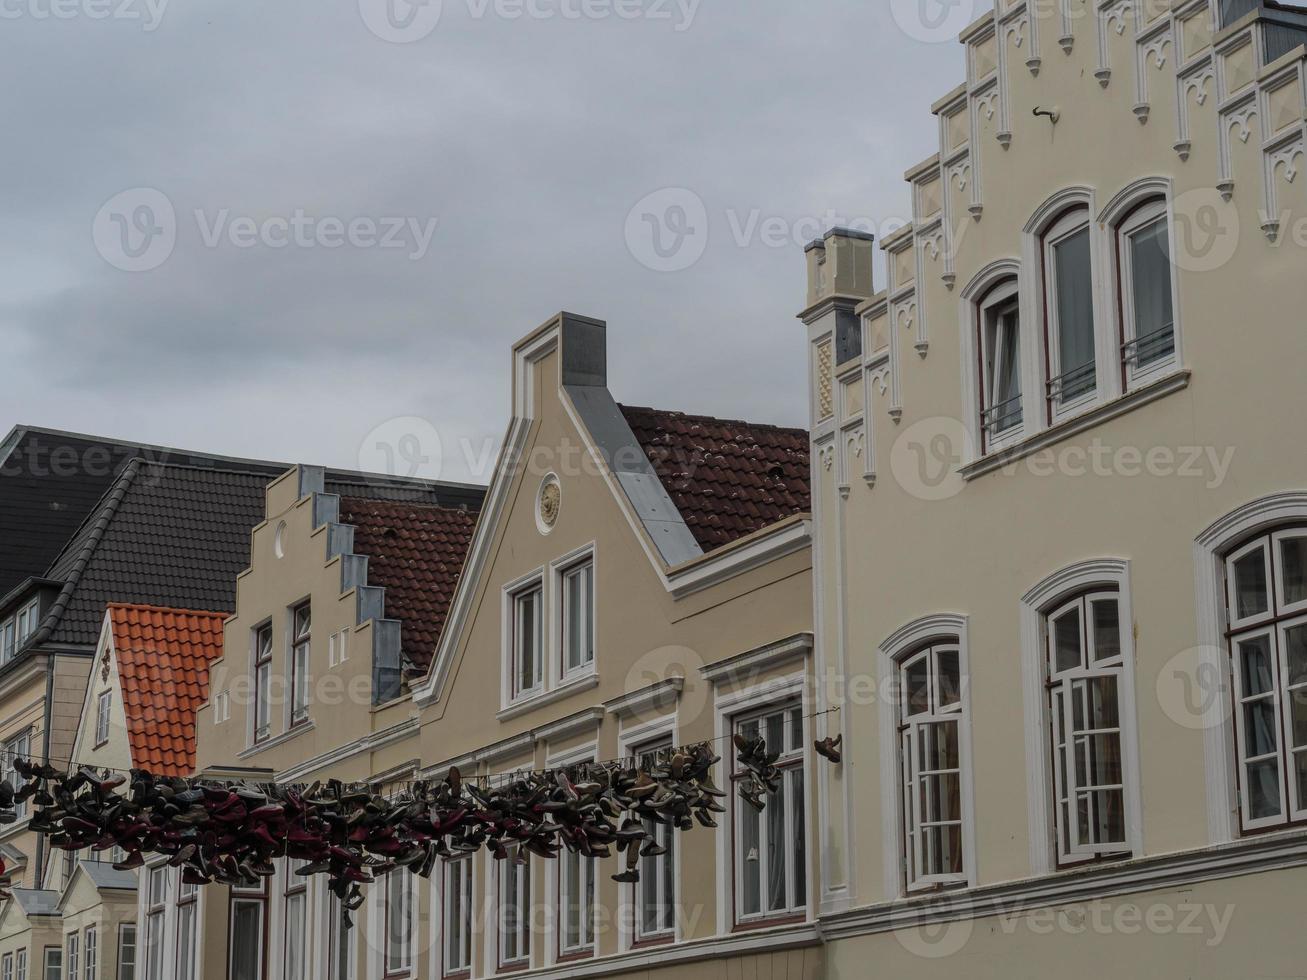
column 45, row 758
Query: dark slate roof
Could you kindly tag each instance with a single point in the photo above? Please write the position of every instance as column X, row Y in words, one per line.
column 51, row 481
column 727, row 478
column 163, row 536
column 104, row 876
column 416, row 553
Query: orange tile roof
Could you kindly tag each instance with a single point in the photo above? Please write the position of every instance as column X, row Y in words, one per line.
column 163, row 669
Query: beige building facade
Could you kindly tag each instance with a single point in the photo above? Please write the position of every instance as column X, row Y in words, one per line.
column 1058, row 538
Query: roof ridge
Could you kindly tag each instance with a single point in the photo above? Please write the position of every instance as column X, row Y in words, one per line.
column 367, row 502
column 145, row 606
column 713, row 418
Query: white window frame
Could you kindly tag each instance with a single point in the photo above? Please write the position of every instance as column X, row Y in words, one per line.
column 7, row 967
column 20, row 964
column 1005, row 295
column 299, row 663
column 126, row 962
column 1145, row 215
column 1068, row 226
column 261, row 659
column 103, row 705
column 792, row 762
column 398, row 960
column 1094, row 575
column 1061, row 684
column 53, row 970
column 513, row 597
column 584, row 571
column 17, row 747
column 523, row 897
column 295, row 890
column 457, row 962
column 91, row 952
column 333, row 932
column 338, row 648
column 222, row 708
column 556, row 879
column 899, row 647
column 156, row 921
column 1274, row 625
column 258, row 898
column 635, row 738
column 27, row 621
column 8, row 640
column 72, row 955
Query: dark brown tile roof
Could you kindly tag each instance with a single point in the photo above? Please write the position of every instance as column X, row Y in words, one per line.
column 727, row 478
column 416, row 553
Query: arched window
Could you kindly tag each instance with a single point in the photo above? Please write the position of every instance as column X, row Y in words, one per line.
column 998, row 326
column 1068, row 278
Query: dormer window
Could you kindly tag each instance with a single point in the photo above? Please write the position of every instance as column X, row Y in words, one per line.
column 1069, row 301
column 999, row 343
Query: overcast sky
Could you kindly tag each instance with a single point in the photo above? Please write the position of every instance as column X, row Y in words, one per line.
column 499, row 159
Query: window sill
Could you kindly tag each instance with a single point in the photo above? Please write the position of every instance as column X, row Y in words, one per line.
column 282, row 739
column 774, row 922
column 528, row 704
column 1067, row 428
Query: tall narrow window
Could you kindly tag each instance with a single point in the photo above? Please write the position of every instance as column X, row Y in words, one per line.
column 72, row 956
column 399, row 923
column 127, row 951
column 20, row 965
column 999, row 324
column 301, row 627
column 187, row 930
column 54, row 963
column 8, row 641
column 578, row 618
column 16, row 748
column 91, row 952
column 515, row 911
column 771, row 846
column 7, row 967
column 262, row 683
column 1069, row 288
column 102, row 705
column 295, row 959
column 528, row 645
column 458, row 917
column 655, row 894
column 28, row 618
column 340, row 941
column 1267, row 594
column 1147, row 297
column 156, row 913
column 930, row 759
column 576, row 895
column 1085, row 664
column 248, row 938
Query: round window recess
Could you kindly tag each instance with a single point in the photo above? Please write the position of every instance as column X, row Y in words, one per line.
column 550, row 503
column 279, row 542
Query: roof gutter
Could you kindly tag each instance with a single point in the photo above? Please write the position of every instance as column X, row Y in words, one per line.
column 45, row 758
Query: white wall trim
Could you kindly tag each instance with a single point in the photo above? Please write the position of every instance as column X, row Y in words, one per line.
column 1218, row 742
column 655, row 697
column 769, row 545
column 629, row 739
column 747, row 666
column 1053, row 590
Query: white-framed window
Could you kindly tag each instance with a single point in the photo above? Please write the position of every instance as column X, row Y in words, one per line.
column 515, row 910
column 295, row 923
column 7, row 967
column 655, row 893
column 127, row 951
column 8, row 640
column 20, row 965
column 155, row 922
column 527, row 646
column 932, row 700
column 340, row 940
column 91, row 952
column 262, row 683
column 456, row 917
column 1068, row 278
column 1266, row 595
column 338, row 648
column 770, row 847
column 998, row 326
column 19, row 747
column 29, row 617
column 575, row 881
column 248, row 927
column 103, row 704
column 301, row 637
column 188, row 917
column 577, row 584
column 72, row 955
column 54, row 963
column 399, row 923
column 1085, row 666
column 222, row 708
column 1147, row 292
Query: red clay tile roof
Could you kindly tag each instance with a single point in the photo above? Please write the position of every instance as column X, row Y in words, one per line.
column 416, row 553
column 163, row 671
column 727, row 478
